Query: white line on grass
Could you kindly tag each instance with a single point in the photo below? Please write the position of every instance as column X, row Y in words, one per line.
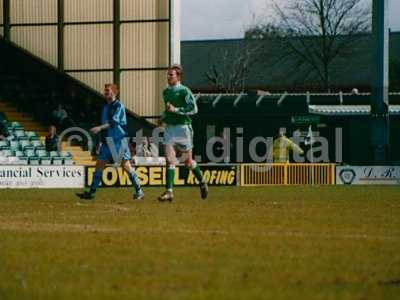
column 85, row 228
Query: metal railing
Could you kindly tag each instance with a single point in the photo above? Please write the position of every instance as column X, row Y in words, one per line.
column 287, row 174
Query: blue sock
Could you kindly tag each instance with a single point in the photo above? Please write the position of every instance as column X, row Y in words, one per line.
column 135, row 181
column 96, row 181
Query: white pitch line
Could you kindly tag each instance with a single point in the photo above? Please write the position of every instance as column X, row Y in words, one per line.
column 57, row 227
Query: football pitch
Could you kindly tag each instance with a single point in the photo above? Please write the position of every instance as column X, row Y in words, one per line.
column 242, row 243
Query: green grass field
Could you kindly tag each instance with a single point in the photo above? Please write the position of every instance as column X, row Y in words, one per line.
column 243, row 243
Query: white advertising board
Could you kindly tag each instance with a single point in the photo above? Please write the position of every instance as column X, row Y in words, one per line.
column 42, row 176
column 367, row 175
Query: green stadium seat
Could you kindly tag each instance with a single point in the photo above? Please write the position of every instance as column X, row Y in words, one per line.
column 34, row 160
column 68, row 161
column 41, row 147
column 34, row 138
column 16, row 125
column 24, row 144
column 65, row 154
column 23, row 138
column 4, row 148
column 23, row 160
column 42, row 153
column 45, row 161
column 19, row 153
column 30, row 153
column 18, row 129
column 30, row 147
column 8, row 152
column 19, row 133
column 14, row 145
column 11, row 137
column 4, row 143
column 31, row 134
column 44, row 156
column 58, row 160
column 54, row 154
column 36, row 143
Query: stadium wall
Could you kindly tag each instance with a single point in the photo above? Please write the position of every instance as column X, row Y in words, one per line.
column 34, row 27
column 97, row 41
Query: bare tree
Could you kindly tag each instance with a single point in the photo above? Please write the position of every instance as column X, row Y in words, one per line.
column 315, row 32
column 229, row 68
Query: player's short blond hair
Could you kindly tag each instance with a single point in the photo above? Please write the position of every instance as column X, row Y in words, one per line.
column 113, row 87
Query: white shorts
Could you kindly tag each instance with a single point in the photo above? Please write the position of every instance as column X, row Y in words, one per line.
column 179, row 136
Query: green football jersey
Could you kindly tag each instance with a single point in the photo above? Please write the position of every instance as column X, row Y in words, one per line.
column 181, row 97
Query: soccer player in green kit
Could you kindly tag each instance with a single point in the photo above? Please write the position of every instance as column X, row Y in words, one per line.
column 179, row 106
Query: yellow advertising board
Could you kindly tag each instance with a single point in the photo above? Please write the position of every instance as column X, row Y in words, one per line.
column 217, row 175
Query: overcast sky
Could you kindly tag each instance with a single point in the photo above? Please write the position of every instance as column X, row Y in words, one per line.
column 219, row 19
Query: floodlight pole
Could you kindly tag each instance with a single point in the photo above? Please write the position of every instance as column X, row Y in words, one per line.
column 380, row 87
column 60, row 33
column 175, row 31
column 117, row 41
column 6, row 19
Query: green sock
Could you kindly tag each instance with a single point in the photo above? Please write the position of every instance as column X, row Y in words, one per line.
column 197, row 173
column 170, row 177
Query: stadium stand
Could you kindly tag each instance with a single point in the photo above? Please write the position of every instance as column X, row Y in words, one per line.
column 30, row 90
column 24, row 142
